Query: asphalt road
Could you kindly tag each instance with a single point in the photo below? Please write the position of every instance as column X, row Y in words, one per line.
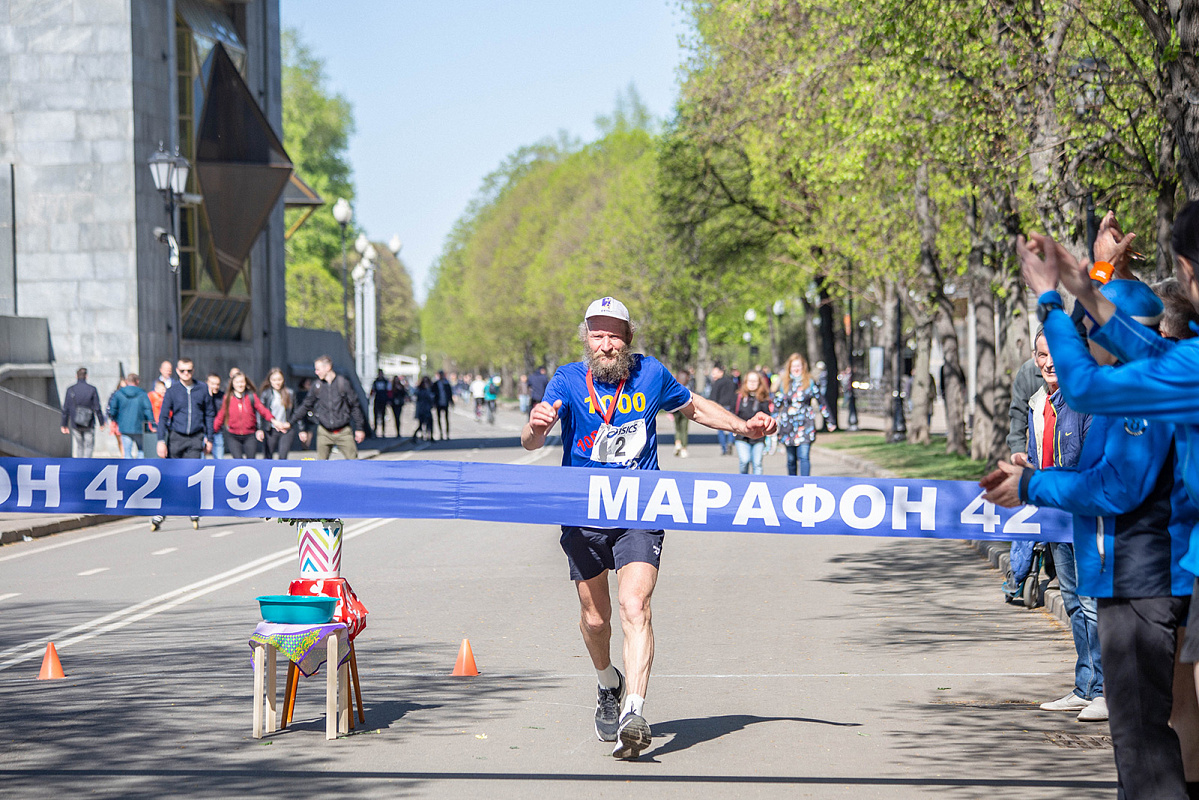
column 786, row 666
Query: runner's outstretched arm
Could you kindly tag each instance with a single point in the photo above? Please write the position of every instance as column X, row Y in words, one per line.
column 717, row 417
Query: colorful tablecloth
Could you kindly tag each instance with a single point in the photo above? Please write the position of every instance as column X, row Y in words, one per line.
column 349, row 609
column 303, row 644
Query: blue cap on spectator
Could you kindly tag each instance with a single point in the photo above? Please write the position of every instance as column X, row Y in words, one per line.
column 1136, row 300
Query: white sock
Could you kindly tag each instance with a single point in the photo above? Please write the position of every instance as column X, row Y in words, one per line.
column 609, row 678
column 634, row 703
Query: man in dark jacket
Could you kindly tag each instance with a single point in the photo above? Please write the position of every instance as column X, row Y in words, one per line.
column 537, row 383
column 185, row 421
column 333, row 402
column 443, row 398
column 130, row 407
column 80, row 413
column 381, row 395
column 724, row 394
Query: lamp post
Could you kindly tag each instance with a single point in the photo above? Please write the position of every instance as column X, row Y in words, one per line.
column 343, row 213
column 751, row 316
column 359, row 275
column 170, row 179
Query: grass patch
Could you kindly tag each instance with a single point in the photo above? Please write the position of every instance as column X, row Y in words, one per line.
column 907, row 460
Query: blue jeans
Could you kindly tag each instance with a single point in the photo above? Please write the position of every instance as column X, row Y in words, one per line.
column 1084, row 624
column 724, row 439
column 750, row 452
column 218, row 445
column 798, row 456
column 130, row 446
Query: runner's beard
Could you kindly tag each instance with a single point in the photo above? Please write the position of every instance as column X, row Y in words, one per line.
column 609, row 371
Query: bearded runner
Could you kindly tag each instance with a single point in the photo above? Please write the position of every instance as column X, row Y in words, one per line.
column 608, row 404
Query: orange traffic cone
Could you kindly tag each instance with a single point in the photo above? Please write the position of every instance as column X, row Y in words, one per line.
column 465, row 665
column 51, row 666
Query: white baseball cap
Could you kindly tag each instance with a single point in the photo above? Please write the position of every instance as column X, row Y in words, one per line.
column 607, row 307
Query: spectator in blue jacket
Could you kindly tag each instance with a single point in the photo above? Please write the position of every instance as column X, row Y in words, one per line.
column 185, row 422
column 80, row 413
column 1141, row 519
column 130, row 407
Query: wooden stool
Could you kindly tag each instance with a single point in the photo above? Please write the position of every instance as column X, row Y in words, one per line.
column 293, row 685
column 337, row 688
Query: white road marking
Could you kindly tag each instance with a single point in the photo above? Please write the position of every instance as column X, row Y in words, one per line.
column 536, row 455
column 95, row 571
column 163, row 602
column 9, row 595
column 164, row 551
column 219, row 534
column 35, row 550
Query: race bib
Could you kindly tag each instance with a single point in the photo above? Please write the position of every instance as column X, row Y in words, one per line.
column 619, row 444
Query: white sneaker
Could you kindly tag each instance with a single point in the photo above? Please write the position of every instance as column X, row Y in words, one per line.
column 1070, row 702
column 1096, row 711
column 682, row 453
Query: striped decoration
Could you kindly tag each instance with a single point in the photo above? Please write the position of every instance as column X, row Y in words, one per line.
column 320, row 550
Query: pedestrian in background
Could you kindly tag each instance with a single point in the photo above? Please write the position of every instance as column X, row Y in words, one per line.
column 132, row 411
column 381, row 395
column 537, row 383
column 522, row 394
column 166, row 374
column 793, row 411
column 753, row 398
column 333, row 402
column 724, row 394
column 424, row 410
column 218, row 400
column 80, row 413
column 443, row 398
column 112, row 421
column 185, row 422
column 399, row 396
column 280, row 400
column 239, row 414
column 155, row 396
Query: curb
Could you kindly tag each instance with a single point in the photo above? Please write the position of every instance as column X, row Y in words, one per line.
column 995, row 552
column 56, row 526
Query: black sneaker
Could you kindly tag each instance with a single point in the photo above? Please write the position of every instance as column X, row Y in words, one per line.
column 156, row 523
column 634, row 737
column 607, row 711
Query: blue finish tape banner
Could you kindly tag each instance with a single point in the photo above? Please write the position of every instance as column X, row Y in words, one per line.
column 524, row 494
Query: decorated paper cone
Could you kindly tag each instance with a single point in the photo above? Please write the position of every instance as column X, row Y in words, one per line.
column 319, row 546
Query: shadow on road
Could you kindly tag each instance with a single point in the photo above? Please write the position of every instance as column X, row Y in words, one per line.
column 690, row 732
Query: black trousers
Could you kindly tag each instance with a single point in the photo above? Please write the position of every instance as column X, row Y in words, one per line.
column 184, row 446
column 443, row 412
column 241, row 445
column 1138, row 638
column 380, row 418
column 278, row 442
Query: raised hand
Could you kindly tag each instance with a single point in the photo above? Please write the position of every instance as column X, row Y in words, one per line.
column 1039, row 271
column 1007, row 493
column 543, row 416
column 1113, row 246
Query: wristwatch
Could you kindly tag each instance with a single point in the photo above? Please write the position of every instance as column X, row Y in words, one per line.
column 1043, row 309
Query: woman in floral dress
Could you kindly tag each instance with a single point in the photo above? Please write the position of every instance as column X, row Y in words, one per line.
column 793, row 411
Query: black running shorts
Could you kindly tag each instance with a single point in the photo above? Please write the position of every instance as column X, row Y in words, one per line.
column 590, row 551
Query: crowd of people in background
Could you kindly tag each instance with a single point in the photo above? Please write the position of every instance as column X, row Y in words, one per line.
column 271, row 419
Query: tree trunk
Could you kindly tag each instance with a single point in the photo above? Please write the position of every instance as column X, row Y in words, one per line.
column 828, row 340
column 981, row 277
column 703, row 358
column 921, row 397
column 811, row 334
column 890, row 359
column 1167, row 186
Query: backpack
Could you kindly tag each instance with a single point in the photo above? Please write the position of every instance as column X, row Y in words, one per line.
column 83, row 417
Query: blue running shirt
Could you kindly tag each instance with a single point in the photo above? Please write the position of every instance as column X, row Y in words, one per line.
column 650, row 388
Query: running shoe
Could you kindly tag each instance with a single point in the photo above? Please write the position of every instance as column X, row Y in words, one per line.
column 195, row 523
column 607, row 711
column 634, row 735
column 1070, row 702
column 156, row 523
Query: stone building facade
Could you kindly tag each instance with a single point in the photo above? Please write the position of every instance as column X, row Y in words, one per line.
column 88, row 90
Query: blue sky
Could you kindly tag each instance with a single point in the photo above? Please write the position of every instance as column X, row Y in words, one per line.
column 443, row 91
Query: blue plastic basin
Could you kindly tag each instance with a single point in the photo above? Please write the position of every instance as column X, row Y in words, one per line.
column 290, row 610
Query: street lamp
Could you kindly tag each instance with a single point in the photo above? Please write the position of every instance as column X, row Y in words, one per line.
column 343, row 213
column 395, row 245
column 359, row 275
column 170, row 179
